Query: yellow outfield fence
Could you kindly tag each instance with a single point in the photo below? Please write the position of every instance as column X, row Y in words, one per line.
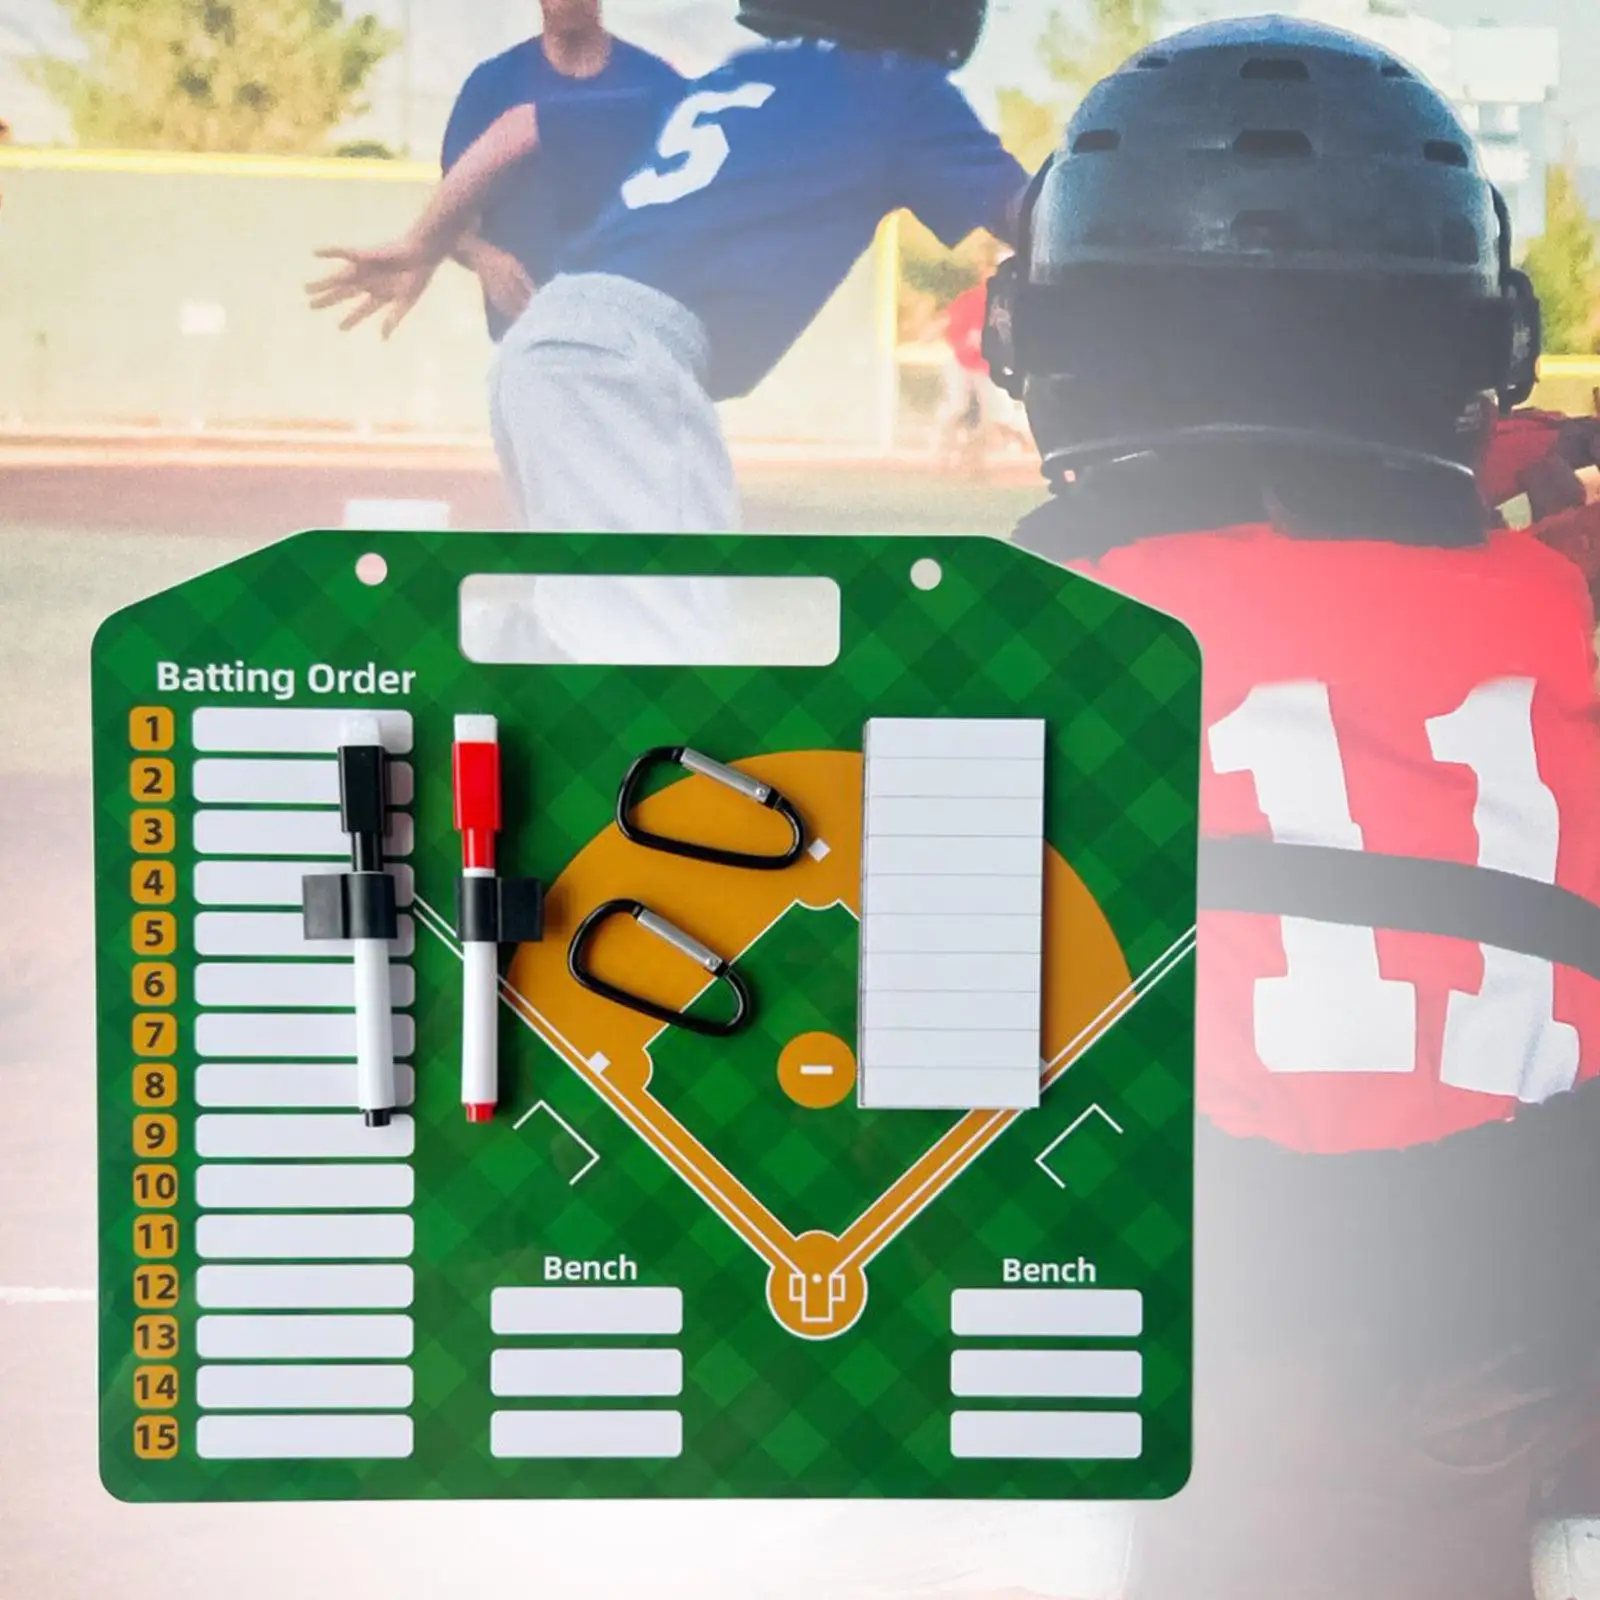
column 1570, row 384
column 165, row 291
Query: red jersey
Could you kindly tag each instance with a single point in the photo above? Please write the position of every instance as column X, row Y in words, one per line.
column 963, row 328
column 1399, row 702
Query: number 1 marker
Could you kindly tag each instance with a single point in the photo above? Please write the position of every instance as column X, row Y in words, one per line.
column 476, row 771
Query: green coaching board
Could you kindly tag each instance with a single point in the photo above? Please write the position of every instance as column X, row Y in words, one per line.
column 921, row 1228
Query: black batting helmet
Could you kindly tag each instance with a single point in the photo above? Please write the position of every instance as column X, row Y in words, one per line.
column 946, row 31
column 1263, row 226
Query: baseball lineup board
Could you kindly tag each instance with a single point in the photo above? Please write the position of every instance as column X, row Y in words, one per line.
column 808, row 1258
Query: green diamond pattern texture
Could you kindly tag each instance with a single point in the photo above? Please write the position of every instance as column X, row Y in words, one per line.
column 765, row 1414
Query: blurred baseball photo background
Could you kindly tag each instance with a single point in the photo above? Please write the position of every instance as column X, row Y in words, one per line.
column 167, row 402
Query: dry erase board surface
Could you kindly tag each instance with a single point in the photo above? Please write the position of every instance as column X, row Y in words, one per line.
column 672, row 1265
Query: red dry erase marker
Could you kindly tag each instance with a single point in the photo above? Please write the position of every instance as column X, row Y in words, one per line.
column 477, row 806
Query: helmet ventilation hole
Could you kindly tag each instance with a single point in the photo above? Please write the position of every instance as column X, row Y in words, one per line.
column 1281, row 69
column 1446, row 152
column 1096, row 141
column 1394, row 69
column 1152, row 63
column 1274, row 144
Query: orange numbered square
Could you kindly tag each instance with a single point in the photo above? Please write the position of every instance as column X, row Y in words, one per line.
column 153, row 833
column 155, row 1438
column 151, row 728
column 154, row 883
column 155, row 1238
column 155, row 1083
column 155, row 1187
column 155, row 1388
column 155, row 983
column 155, row 1288
column 153, row 780
column 155, row 1033
column 155, row 933
column 155, row 1336
column 155, row 1134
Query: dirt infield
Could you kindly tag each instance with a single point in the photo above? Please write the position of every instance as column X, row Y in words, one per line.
column 266, row 486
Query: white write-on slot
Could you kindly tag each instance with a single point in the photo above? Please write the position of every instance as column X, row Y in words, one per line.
column 952, row 914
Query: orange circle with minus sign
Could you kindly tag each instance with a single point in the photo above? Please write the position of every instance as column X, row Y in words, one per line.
column 817, row 1070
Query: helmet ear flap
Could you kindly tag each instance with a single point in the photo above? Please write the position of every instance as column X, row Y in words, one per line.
column 1526, row 343
column 1000, row 326
column 1523, row 325
column 1007, row 288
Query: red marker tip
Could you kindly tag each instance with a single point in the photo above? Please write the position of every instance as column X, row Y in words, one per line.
column 480, row 1113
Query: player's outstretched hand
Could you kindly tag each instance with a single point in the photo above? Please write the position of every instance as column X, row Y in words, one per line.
column 390, row 278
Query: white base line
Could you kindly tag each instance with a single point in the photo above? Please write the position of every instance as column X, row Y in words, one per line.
column 15, row 1296
column 594, row 1155
column 1056, row 1143
column 1147, row 980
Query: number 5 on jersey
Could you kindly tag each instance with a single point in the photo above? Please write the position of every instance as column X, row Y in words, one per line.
column 694, row 136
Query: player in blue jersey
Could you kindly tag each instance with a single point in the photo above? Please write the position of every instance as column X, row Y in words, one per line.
column 587, row 107
column 600, row 104
column 769, row 180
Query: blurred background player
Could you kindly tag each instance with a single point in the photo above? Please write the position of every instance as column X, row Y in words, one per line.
column 587, row 107
column 1549, row 459
column 976, row 418
column 1263, row 322
column 770, row 179
column 960, row 425
column 601, row 102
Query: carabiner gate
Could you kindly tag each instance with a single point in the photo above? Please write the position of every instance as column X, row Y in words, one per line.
column 741, row 783
column 679, row 940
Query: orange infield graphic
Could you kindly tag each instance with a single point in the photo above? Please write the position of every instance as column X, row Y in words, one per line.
column 817, row 1283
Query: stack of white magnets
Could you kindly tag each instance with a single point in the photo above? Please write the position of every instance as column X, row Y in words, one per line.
column 952, row 912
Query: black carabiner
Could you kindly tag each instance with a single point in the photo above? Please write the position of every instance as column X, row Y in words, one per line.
column 679, row 940
column 762, row 794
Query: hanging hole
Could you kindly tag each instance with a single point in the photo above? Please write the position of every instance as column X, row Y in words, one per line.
column 927, row 574
column 372, row 569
